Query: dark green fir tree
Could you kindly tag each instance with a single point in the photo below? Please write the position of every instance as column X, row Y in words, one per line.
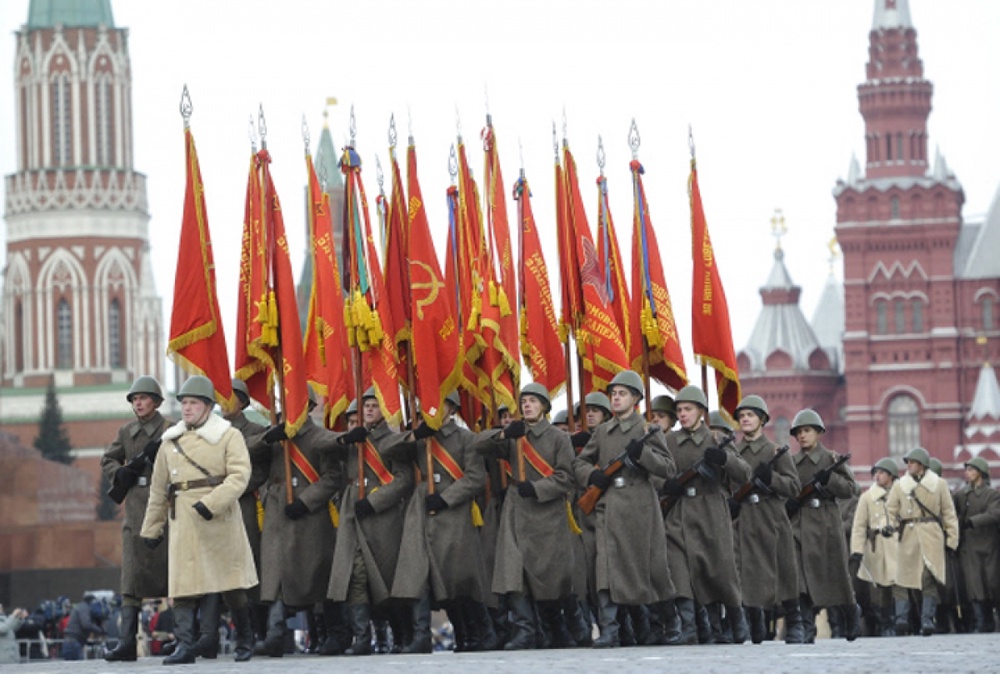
column 52, row 440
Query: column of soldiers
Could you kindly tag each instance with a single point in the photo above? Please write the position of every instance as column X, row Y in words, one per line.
column 694, row 538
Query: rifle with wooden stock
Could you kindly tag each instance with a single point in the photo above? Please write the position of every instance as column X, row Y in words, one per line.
column 593, row 494
column 814, row 485
column 699, row 468
column 754, row 482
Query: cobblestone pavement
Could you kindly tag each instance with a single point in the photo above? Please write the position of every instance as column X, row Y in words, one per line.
column 914, row 655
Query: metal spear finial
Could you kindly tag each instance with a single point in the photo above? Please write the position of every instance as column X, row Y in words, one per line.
column 633, row 139
column 186, row 107
column 305, row 133
column 379, row 176
column 262, row 127
column 353, row 128
column 392, row 131
column 252, row 134
column 600, row 154
column 691, row 141
column 555, row 141
column 453, row 164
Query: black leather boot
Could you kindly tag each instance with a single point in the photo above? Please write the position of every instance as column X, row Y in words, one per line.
column 808, row 619
column 607, row 620
column 737, row 619
column 720, row 635
column 794, row 629
column 209, row 608
column 361, row 628
column 758, row 626
column 244, row 633
column 687, row 613
column 125, row 651
column 274, row 642
column 852, row 621
column 338, row 628
column 421, row 613
column 522, row 623
column 184, row 633
column 577, row 617
column 902, row 617
column 928, row 609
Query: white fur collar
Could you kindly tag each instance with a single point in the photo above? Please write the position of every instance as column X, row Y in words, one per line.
column 211, row 431
column 877, row 492
column 929, row 482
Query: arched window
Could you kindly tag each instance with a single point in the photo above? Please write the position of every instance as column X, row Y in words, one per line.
column 899, row 312
column 105, row 134
column 115, row 334
column 881, row 317
column 899, row 147
column 904, row 425
column 894, row 206
column 918, row 316
column 64, row 335
column 988, row 304
column 18, row 337
column 62, row 121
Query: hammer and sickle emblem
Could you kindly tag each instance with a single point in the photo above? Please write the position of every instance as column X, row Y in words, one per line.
column 433, row 287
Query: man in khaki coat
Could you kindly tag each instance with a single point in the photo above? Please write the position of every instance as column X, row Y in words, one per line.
column 977, row 505
column 874, row 547
column 921, row 508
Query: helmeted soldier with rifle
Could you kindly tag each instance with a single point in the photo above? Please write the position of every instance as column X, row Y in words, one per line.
column 874, row 545
column 977, row 505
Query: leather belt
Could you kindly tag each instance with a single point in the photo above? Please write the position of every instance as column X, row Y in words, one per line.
column 185, row 485
column 916, row 520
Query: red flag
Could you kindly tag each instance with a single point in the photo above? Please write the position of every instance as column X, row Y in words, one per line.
column 652, row 317
column 712, row 336
column 610, row 256
column 396, row 303
column 197, row 343
column 571, row 301
column 436, row 346
column 540, row 344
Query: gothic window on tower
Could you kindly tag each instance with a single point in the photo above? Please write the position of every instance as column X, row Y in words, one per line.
column 899, row 147
column 62, row 121
column 18, row 337
column 918, row 315
column 988, row 304
column 894, row 205
column 115, row 334
column 899, row 314
column 105, row 135
column 64, row 336
column 881, row 317
column 904, row 425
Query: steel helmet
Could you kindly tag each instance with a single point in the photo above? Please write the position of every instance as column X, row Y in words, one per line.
column 455, row 400
column 807, row 418
column 540, row 392
column 240, row 387
column 598, row 399
column 352, row 408
column 198, row 386
column 754, row 404
column 664, row 404
column 369, row 393
column 889, row 465
column 716, row 420
column 145, row 384
column 920, row 455
column 629, row 379
column 692, row 394
column 979, row 463
column 561, row 417
column 936, row 466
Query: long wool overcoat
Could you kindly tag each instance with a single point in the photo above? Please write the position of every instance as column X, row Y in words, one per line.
column 878, row 553
column 921, row 542
column 979, row 551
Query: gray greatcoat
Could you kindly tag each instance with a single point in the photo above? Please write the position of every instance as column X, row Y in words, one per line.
column 979, row 551
column 820, row 544
column 144, row 571
column 700, row 547
column 296, row 554
column 922, row 541
column 205, row 556
column 631, row 551
column 445, row 547
column 878, row 552
column 764, row 544
column 259, row 470
column 534, row 541
column 491, row 503
column 378, row 536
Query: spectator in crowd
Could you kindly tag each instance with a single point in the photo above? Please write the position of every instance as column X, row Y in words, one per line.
column 9, row 652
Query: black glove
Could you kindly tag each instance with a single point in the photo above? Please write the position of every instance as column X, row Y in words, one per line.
column 435, row 503
column 275, row 434
column 599, row 479
column 734, row 508
column 356, row 434
column 422, row 431
column 966, row 524
column 792, row 506
column 363, row 509
column 764, row 473
column 855, row 558
column 527, row 490
column 152, row 543
column 515, row 429
column 151, row 448
column 634, row 449
column 672, row 487
column 203, row 510
column 296, row 510
column 716, row 455
column 580, row 439
column 886, row 531
column 823, row 476
column 126, row 477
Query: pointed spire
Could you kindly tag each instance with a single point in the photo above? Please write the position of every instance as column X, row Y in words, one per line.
column 940, row 171
column 854, row 171
column 891, row 14
column 986, row 401
column 779, row 277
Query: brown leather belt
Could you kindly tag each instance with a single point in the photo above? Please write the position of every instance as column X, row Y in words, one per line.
column 184, row 485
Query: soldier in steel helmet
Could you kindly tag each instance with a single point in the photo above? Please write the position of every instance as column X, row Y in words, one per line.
column 699, row 527
column 921, row 507
column 128, row 465
column 977, row 506
column 598, row 410
column 764, row 543
column 198, row 478
column 874, row 546
column 820, row 545
column 664, row 411
column 560, row 421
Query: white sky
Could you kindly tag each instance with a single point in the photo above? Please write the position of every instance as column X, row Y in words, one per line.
column 769, row 88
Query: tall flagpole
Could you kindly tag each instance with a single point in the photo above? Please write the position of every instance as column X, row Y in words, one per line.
column 634, row 142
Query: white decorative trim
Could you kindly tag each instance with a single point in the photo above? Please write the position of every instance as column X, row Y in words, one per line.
column 28, row 192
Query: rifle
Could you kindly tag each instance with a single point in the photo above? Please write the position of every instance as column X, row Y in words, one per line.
column 754, row 483
column 588, row 501
column 813, row 485
column 700, row 468
column 120, row 489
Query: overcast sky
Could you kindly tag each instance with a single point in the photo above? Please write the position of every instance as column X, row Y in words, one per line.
column 768, row 87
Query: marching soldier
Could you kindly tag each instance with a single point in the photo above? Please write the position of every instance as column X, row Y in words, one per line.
column 560, row 421
column 699, row 526
column 664, row 411
column 491, row 503
column 874, row 548
column 534, row 537
column 820, row 545
column 200, row 474
column 764, row 543
column 978, row 508
column 920, row 506
column 128, row 465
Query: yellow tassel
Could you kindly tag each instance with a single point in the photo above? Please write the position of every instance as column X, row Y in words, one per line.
column 573, row 526
column 493, row 293
column 563, row 330
column 477, row 515
column 503, row 302
column 260, row 514
column 334, row 515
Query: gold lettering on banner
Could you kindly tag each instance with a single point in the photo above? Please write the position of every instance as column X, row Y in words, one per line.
column 414, row 206
column 447, row 329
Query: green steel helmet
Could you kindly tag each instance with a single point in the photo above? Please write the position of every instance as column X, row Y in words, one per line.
column 754, row 404
column 455, row 400
column 920, row 455
column 629, row 379
column 664, row 404
column 889, row 465
column 369, row 393
column 692, row 394
column 352, row 408
column 807, row 418
column 240, row 387
column 598, row 399
column 716, row 420
column 198, row 386
column 145, row 384
column 979, row 463
column 540, row 392
column 561, row 417
column 936, row 467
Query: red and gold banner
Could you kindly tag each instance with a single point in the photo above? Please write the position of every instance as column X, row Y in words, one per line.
column 610, row 256
column 396, row 304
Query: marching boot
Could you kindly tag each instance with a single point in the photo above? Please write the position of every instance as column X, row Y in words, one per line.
column 641, row 625
column 458, row 626
column 478, row 618
column 501, row 621
column 719, row 635
column 543, row 636
column 928, row 608
column 671, row 622
column 686, row 613
column 607, row 620
column 381, row 629
column 577, row 621
column 274, row 643
column 361, row 628
column 313, row 631
column 977, row 618
column 852, row 621
column 551, row 615
column 401, row 624
column 808, row 612
column 887, row 625
column 522, row 623
column 835, row 617
column 184, row 633
column 125, row 651
column 704, row 626
column 989, row 624
column 209, row 608
column 902, row 617
column 737, row 619
column 758, row 626
column 244, row 633
column 338, row 629
column 794, row 630
column 626, row 635
column 421, row 641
